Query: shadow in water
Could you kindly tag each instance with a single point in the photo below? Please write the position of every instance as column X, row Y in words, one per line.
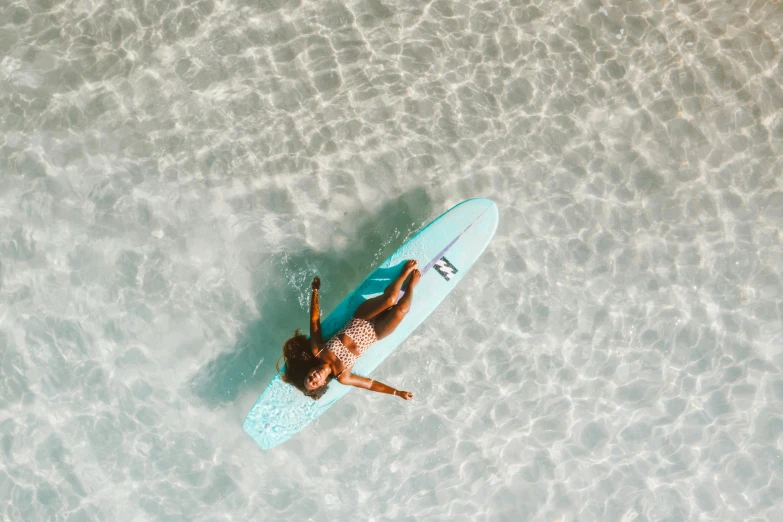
column 283, row 291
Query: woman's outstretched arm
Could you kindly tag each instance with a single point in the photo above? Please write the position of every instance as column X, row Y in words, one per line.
column 369, row 384
column 315, row 317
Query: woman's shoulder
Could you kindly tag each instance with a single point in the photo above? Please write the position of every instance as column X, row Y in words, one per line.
column 344, row 376
column 317, row 347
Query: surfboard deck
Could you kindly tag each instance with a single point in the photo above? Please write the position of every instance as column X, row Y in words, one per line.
column 445, row 250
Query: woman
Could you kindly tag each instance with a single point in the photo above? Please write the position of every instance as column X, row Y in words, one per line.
column 311, row 363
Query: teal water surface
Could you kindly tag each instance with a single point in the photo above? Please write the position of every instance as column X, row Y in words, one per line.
column 172, row 175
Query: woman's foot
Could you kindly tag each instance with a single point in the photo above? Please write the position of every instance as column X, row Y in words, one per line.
column 408, row 267
column 414, row 280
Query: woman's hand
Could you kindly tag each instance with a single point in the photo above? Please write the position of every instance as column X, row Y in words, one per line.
column 316, row 284
column 405, row 395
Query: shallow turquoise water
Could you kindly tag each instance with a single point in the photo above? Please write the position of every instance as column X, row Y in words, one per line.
column 171, row 177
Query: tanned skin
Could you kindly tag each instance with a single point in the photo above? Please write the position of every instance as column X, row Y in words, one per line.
column 387, row 310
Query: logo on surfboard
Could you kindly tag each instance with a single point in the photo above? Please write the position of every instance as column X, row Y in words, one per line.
column 445, row 268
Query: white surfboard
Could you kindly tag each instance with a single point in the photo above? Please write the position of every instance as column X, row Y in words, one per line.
column 445, row 250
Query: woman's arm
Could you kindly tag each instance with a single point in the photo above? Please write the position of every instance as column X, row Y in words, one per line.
column 315, row 317
column 369, row 384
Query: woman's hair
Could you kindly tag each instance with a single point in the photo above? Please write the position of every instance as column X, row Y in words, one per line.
column 299, row 360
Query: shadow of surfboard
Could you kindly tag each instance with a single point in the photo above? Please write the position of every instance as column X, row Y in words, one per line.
column 283, row 289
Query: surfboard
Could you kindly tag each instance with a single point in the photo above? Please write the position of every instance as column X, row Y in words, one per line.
column 445, row 250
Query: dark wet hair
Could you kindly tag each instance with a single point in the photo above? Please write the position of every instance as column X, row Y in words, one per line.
column 299, row 360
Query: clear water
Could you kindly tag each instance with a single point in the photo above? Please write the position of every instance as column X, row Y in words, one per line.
column 172, row 174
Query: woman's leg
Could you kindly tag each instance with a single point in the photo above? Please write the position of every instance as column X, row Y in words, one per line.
column 371, row 308
column 394, row 316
